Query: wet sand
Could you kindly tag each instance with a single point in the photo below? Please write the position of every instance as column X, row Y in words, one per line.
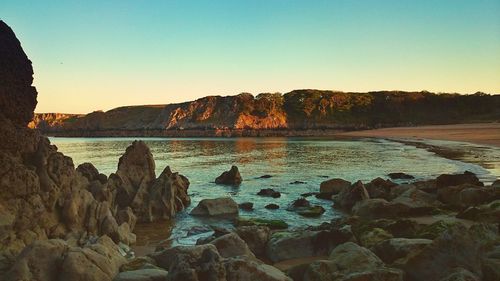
column 481, row 133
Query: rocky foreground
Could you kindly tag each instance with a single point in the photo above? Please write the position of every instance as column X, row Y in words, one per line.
column 58, row 222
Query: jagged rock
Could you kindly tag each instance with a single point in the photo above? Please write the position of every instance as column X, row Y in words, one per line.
column 231, row 177
column 255, row 237
column 457, row 179
column 126, row 216
column 216, row 207
column 332, row 187
column 348, row 197
column 192, row 263
column 231, row 245
column 138, row 263
column 89, row 171
column 373, row 237
column 379, row 188
column 244, row 269
column 395, row 248
column 417, row 202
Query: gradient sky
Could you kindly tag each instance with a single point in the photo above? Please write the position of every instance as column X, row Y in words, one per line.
column 96, row 55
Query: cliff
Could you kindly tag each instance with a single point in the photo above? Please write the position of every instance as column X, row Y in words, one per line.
column 300, row 112
column 68, row 217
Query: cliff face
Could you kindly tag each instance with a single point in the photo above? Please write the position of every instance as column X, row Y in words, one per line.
column 300, row 112
column 43, row 196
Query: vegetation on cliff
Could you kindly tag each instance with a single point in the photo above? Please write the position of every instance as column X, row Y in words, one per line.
column 296, row 110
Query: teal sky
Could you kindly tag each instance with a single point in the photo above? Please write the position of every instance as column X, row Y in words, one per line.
column 92, row 55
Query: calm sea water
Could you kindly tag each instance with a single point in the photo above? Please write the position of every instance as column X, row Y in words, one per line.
column 286, row 159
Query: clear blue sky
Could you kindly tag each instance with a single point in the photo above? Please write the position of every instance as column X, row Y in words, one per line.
column 91, row 55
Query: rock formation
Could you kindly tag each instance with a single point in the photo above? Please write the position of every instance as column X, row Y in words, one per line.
column 73, row 217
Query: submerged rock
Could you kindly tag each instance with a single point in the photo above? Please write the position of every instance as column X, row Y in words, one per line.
column 269, row 192
column 231, row 177
column 400, row 176
column 272, row 224
column 272, row 206
column 247, row 206
column 224, row 206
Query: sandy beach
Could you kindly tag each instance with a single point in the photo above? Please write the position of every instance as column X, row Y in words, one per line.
column 481, row 133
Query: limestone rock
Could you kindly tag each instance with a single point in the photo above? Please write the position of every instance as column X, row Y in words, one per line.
column 231, row 177
column 224, row 206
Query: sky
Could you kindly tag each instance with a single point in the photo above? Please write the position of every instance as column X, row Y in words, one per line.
column 97, row 55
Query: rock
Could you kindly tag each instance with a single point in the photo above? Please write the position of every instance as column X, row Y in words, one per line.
column 373, row 237
column 197, row 229
column 126, row 215
column 379, row 188
column 417, row 202
column 486, row 234
column 332, row 187
column 300, row 244
column 241, row 269
column 313, row 211
column 224, row 206
column 192, row 263
column 269, row 192
column 496, row 184
column 298, row 182
column 231, row 245
column 348, row 197
column 137, row 187
column 231, row 177
column 96, row 261
column 395, row 248
column 88, row 171
column 272, row 224
column 247, row 206
column 491, row 269
column 455, row 248
column 265, row 177
column 300, row 203
column 436, row 229
column 379, row 208
column 125, row 234
column 272, row 206
column 138, row 263
column 142, row 275
column 400, row 176
column 457, row 179
column 349, row 261
column 460, row 274
column 475, row 196
column 256, row 237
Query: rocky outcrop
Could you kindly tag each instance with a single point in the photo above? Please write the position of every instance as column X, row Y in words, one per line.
column 231, row 177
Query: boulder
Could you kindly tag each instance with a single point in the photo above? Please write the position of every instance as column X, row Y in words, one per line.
column 244, row 269
column 311, row 212
column 379, row 188
column 272, row 206
column 351, row 262
column 454, row 248
column 269, row 192
column 231, row 245
column 395, row 248
column 192, row 263
column 332, row 187
column 256, row 237
column 400, row 176
column 231, row 177
column 300, row 244
column 224, row 206
column 417, row 202
column 348, row 197
column 247, row 206
column 457, row 179
column 374, row 236
column 150, row 274
column 379, row 208
column 272, row 224
column 460, row 274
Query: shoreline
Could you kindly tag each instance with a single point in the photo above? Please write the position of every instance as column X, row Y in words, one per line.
column 478, row 133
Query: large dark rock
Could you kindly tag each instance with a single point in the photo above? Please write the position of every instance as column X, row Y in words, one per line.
column 231, row 177
column 349, row 196
column 457, row 179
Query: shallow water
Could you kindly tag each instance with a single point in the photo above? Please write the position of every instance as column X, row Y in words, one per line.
column 286, row 159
